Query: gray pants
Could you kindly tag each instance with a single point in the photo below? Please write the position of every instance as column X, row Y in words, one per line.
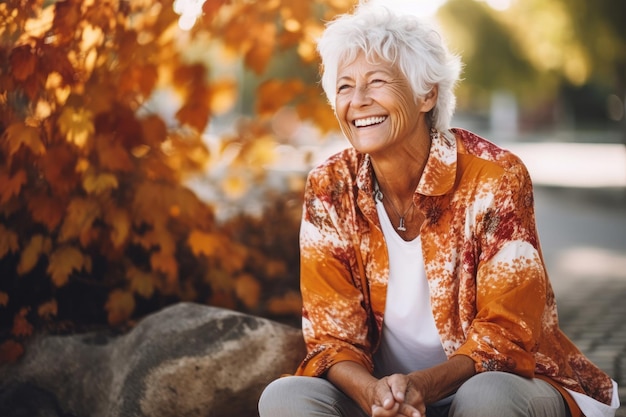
column 489, row 394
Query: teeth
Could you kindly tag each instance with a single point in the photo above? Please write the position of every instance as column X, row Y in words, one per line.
column 369, row 121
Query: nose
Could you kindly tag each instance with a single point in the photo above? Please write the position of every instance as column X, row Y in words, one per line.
column 361, row 96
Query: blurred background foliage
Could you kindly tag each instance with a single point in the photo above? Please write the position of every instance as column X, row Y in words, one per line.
column 155, row 151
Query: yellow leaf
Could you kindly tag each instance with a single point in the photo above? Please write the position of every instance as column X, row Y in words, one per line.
column 261, row 152
column 9, row 241
column 19, row 134
column 48, row 309
column 64, row 261
column 119, row 306
column 99, row 183
column 235, row 185
column 81, row 213
column 209, row 244
column 248, row 290
column 76, row 124
column 11, row 185
column 119, row 221
column 141, row 283
column 223, row 96
column 4, row 299
column 37, row 246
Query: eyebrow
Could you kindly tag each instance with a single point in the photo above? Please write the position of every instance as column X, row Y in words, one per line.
column 367, row 74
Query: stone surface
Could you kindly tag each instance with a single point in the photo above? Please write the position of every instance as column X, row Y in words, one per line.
column 186, row 360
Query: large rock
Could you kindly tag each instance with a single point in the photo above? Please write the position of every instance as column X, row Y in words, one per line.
column 187, row 360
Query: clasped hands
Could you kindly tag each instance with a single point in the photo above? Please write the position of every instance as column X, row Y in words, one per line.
column 396, row 396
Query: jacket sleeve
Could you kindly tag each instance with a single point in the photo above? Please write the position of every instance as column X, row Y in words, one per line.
column 510, row 279
column 334, row 316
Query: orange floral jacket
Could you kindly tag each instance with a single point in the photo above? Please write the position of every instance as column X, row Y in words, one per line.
column 489, row 290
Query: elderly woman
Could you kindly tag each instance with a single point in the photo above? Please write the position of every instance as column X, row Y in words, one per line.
column 423, row 284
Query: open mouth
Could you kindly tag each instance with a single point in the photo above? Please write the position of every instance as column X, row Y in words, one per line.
column 369, row 121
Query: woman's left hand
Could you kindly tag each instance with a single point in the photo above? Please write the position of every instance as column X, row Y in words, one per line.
column 405, row 399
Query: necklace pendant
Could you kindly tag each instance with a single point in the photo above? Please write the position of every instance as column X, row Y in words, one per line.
column 401, row 227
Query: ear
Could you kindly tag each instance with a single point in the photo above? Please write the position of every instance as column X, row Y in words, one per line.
column 430, row 99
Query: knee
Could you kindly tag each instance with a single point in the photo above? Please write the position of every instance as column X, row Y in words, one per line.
column 500, row 394
column 272, row 399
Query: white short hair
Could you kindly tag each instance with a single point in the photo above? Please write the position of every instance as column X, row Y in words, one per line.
column 400, row 39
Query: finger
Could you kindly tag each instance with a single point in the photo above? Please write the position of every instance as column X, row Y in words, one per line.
column 398, row 384
column 378, row 411
column 385, row 395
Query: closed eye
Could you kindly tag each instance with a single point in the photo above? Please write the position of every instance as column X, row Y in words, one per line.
column 342, row 87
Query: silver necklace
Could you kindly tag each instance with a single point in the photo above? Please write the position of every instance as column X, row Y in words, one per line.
column 378, row 194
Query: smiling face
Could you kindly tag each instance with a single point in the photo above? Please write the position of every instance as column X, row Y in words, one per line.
column 376, row 108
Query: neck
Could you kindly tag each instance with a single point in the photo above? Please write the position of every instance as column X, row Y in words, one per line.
column 399, row 173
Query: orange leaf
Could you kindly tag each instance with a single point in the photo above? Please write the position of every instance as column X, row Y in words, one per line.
column 288, row 303
column 23, row 62
column 312, row 107
column 274, row 94
column 209, row 244
column 19, row 134
column 46, row 210
column 112, row 155
column 67, row 18
column 11, row 185
column 141, row 283
column 248, row 290
column 119, row 306
column 211, row 7
column 58, row 167
column 166, row 263
column 262, row 49
column 29, row 257
column 21, row 326
column 56, row 60
column 64, row 261
column 222, row 298
column 81, row 213
column 119, row 221
column 10, row 351
column 195, row 112
column 235, row 258
column 48, row 309
column 4, row 299
column 154, row 130
column 9, row 241
column 138, row 79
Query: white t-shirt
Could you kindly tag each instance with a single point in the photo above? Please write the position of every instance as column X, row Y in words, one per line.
column 410, row 340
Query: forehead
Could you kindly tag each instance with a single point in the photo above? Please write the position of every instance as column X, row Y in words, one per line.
column 363, row 64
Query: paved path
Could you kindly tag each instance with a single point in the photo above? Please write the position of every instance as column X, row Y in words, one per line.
column 583, row 235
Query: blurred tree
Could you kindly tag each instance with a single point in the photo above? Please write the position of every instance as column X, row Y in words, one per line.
column 96, row 223
column 536, row 47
